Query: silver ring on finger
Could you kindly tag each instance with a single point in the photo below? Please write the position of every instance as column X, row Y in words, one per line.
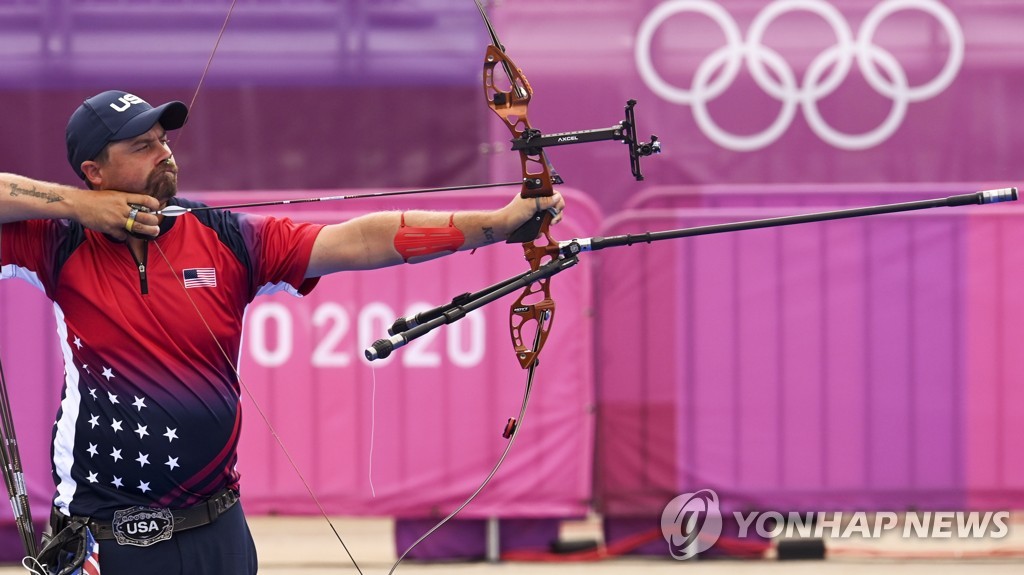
column 130, row 224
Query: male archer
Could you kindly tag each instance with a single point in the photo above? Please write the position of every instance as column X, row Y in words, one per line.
column 149, row 315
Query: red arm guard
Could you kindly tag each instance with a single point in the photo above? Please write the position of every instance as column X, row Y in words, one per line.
column 413, row 242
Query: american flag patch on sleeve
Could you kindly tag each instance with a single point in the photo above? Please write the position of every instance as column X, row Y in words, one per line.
column 200, row 277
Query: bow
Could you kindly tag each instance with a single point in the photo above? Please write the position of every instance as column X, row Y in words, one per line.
column 538, row 181
column 535, row 306
column 14, row 477
column 171, row 212
column 546, row 257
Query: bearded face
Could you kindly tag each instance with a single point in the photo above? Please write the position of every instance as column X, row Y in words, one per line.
column 162, row 182
column 142, row 164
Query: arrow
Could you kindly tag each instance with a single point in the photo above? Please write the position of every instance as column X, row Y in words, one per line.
column 179, row 210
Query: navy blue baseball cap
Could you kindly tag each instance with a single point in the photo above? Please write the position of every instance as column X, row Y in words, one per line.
column 115, row 115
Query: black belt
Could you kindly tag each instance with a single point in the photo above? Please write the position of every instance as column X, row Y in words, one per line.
column 196, row 516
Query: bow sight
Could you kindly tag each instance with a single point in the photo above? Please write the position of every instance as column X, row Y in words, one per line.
column 532, row 141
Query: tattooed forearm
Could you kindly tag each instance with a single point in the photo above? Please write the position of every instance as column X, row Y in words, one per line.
column 48, row 195
column 489, row 235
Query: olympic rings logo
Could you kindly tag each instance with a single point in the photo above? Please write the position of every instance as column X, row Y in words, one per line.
column 825, row 73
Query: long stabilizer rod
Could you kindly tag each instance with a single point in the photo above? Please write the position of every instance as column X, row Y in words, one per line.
column 975, row 198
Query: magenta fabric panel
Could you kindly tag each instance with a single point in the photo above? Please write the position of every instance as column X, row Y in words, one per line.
column 436, row 408
column 298, row 94
column 271, row 42
column 994, row 468
column 268, row 137
column 858, row 364
column 466, row 539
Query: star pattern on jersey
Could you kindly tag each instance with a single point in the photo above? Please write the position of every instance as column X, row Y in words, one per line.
column 114, row 421
column 193, row 387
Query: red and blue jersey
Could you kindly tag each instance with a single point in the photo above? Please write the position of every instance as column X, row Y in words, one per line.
column 150, row 413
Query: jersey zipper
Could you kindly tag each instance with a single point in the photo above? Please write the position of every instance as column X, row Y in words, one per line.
column 143, row 282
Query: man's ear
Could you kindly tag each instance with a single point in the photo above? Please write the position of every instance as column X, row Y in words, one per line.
column 93, row 173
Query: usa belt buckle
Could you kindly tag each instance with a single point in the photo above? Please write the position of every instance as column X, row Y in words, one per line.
column 142, row 526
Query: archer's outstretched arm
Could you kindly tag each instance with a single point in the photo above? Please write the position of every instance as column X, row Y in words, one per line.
column 385, row 239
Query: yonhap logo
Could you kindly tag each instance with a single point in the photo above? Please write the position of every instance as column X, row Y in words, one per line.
column 691, row 523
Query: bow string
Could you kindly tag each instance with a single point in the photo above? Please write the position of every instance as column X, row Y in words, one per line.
column 508, row 95
column 227, row 356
